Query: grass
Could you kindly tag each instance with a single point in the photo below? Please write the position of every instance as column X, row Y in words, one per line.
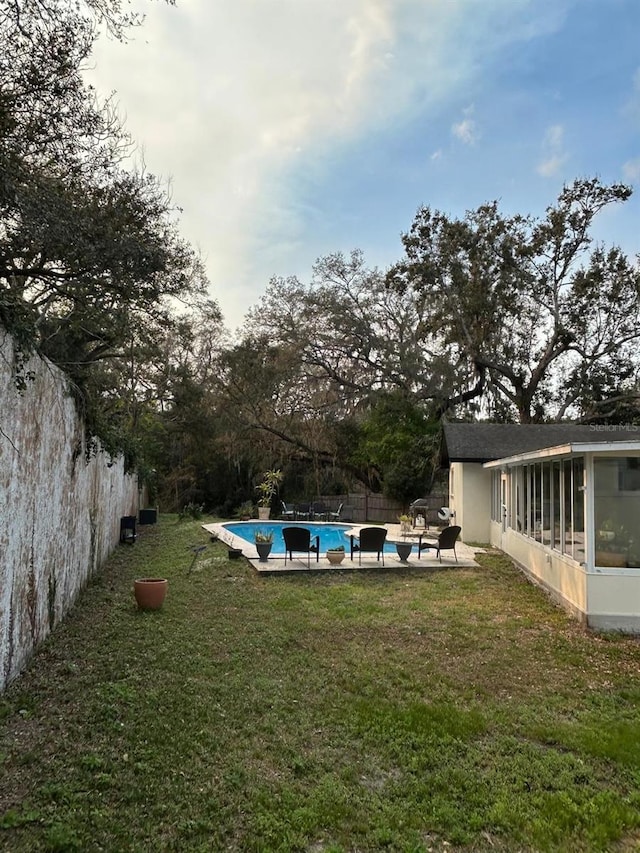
column 398, row 710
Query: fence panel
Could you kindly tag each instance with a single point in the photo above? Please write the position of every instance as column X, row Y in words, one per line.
column 361, row 506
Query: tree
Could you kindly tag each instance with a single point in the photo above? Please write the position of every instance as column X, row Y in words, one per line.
column 534, row 310
column 355, row 334
column 401, row 445
column 315, row 360
column 90, row 253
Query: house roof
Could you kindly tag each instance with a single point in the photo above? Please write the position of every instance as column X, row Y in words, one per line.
column 484, row 442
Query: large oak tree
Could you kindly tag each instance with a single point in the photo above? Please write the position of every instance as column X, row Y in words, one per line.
column 540, row 314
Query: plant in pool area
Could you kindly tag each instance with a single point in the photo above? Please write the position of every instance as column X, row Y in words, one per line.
column 245, row 510
column 336, row 555
column 405, row 523
column 263, row 536
column 268, row 487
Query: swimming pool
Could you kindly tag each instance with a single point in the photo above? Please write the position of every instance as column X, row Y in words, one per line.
column 331, row 535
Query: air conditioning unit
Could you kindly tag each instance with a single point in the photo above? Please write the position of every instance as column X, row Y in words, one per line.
column 445, row 513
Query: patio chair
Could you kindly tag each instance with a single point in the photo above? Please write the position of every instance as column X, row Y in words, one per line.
column 335, row 516
column 348, row 514
column 287, row 511
column 301, row 511
column 446, row 542
column 318, row 511
column 370, row 539
column 299, row 539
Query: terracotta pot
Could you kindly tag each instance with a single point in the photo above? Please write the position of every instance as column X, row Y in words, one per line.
column 264, row 512
column 150, row 592
column 335, row 557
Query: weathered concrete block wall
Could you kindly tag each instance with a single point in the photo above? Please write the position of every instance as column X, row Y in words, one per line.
column 59, row 514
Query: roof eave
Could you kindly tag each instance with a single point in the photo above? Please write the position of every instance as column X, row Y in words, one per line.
column 573, row 448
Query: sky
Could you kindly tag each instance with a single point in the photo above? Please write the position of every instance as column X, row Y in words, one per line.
column 291, row 129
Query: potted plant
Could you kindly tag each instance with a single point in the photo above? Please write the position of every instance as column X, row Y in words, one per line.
column 245, row 511
column 335, row 555
column 264, row 543
column 405, row 524
column 267, row 489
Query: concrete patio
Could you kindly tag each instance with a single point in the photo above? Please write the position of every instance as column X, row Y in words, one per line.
column 275, row 564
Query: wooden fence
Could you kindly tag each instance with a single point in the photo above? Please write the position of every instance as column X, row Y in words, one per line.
column 360, row 507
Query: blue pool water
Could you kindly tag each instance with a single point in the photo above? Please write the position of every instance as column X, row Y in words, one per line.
column 331, row 535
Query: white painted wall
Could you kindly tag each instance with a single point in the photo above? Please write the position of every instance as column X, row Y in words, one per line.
column 563, row 578
column 470, row 498
column 59, row 514
column 614, row 600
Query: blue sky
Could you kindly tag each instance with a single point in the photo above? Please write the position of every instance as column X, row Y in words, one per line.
column 289, row 129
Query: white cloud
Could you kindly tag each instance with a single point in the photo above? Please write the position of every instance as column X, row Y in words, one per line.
column 631, row 170
column 466, row 131
column 228, row 98
column 554, row 155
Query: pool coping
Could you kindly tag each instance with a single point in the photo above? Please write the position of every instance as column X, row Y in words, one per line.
column 275, row 564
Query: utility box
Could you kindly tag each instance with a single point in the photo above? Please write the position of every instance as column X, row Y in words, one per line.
column 148, row 516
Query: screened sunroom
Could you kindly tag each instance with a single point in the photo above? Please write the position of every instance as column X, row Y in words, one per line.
column 570, row 516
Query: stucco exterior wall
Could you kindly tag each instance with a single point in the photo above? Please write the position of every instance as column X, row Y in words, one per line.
column 565, row 580
column 614, row 600
column 470, row 498
column 60, row 515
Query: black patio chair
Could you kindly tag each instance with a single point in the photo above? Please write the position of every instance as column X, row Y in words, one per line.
column 446, row 542
column 298, row 539
column 301, row 511
column 370, row 539
column 318, row 511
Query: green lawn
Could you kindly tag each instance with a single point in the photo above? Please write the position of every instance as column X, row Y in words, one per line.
column 405, row 711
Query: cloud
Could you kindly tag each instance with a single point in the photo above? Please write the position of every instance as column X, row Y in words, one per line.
column 631, row 170
column 235, row 100
column 632, row 107
column 553, row 152
column 465, row 131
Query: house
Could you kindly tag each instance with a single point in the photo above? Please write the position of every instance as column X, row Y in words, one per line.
column 563, row 500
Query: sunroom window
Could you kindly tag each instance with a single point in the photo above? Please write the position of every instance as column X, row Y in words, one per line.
column 617, row 511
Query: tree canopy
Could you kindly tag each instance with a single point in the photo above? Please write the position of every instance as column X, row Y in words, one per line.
column 511, row 318
column 537, row 312
column 344, row 377
column 90, row 251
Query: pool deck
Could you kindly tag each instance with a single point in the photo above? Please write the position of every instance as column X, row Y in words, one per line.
column 275, row 564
